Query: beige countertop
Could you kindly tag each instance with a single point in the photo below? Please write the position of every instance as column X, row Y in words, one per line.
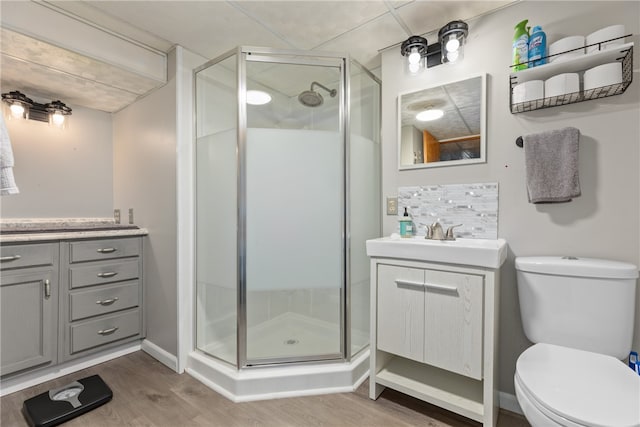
column 46, row 229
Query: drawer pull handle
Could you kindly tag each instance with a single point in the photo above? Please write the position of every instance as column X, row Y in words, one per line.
column 107, row 301
column 443, row 288
column 107, row 274
column 10, row 258
column 47, row 289
column 106, row 250
column 409, row 284
column 108, row 331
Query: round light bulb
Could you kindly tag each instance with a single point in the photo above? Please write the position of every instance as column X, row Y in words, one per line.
column 17, row 110
column 428, row 115
column 414, row 68
column 57, row 118
column 414, row 56
column 452, row 44
column 258, row 97
column 453, row 56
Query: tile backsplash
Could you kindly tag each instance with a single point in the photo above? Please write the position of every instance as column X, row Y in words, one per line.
column 475, row 206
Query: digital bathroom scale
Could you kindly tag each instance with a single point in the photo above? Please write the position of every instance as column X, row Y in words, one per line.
column 61, row 404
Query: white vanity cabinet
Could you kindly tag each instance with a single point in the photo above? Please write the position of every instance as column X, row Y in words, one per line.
column 433, row 334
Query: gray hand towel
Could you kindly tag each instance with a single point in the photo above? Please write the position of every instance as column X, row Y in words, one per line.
column 551, row 160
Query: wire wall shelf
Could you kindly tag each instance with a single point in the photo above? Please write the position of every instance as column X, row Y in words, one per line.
column 622, row 53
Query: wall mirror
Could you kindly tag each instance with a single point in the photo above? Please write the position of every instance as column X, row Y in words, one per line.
column 443, row 125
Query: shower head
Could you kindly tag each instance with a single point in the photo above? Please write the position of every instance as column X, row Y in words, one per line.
column 311, row 98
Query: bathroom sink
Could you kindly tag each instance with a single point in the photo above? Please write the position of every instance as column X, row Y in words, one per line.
column 476, row 252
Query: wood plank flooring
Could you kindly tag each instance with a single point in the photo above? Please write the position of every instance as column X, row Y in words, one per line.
column 147, row 393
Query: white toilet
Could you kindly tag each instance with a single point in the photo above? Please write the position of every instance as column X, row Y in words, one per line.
column 580, row 315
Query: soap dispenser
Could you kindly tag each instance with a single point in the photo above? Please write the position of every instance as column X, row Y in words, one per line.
column 406, row 225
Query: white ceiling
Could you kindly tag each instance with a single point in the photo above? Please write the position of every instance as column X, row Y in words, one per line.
column 210, row 28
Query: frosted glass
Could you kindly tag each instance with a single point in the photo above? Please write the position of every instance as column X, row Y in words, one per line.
column 294, row 209
column 216, row 212
column 365, row 196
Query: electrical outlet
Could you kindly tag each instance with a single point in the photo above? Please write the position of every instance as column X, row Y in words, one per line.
column 116, row 216
column 130, row 215
column 392, row 206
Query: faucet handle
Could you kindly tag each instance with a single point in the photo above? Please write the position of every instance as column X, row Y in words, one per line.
column 449, row 235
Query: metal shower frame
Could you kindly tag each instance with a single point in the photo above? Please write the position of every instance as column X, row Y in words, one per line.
column 331, row 59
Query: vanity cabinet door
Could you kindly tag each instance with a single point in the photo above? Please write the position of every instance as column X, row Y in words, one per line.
column 28, row 320
column 401, row 311
column 453, row 322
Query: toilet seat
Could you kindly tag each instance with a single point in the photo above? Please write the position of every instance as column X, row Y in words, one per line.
column 579, row 388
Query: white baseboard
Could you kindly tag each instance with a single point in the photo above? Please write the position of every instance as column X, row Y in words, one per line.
column 509, row 402
column 160, row 354
column 30, row 379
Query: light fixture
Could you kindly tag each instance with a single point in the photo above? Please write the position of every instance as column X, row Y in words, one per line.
column 57, row 113
column 18, row 103
column 429, row 115
column 21, row 107
column 258, row 97
column 415, row 49
column 449, row 49
column 452, row 37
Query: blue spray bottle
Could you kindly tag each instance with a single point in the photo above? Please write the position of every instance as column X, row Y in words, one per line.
column 537, row 47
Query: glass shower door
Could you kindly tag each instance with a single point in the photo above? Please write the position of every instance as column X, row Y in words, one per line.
column 294, row 211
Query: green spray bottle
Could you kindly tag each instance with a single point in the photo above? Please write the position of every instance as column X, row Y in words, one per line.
column 521, row 46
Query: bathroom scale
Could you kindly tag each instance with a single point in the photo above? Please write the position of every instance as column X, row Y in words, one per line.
column 61, row 404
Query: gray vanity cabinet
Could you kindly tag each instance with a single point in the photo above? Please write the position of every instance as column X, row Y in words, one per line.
column 102, row 299
column 28, row 306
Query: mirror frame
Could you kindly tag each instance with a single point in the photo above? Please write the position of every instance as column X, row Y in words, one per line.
column 483, row 123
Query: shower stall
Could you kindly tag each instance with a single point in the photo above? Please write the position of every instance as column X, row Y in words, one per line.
column 287, row 192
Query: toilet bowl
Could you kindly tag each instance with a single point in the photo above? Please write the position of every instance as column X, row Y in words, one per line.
column 561, row 386
column 579, row 313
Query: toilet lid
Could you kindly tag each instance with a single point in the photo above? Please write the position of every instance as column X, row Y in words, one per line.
column 586, row 388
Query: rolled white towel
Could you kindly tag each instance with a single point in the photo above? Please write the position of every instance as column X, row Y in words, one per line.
column 7, row 181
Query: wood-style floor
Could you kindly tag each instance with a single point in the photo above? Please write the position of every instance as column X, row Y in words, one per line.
column 147, row 393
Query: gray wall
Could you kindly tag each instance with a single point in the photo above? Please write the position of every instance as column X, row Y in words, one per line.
column 144, row 144
column 604, row 222
column 62, row 173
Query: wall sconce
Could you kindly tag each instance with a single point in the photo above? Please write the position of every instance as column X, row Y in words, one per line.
column 449, row 49
column 21, row 107
column 452, row 38
column 415, row 49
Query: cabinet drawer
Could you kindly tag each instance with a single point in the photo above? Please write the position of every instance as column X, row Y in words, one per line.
column 33, row 255
column 103, row 300
column 105, row 330
column 95, row 250
column 103, row 273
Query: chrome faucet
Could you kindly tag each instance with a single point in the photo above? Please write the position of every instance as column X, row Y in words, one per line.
column 435, row 232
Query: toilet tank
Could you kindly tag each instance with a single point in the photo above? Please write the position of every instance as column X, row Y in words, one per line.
column 583, row 303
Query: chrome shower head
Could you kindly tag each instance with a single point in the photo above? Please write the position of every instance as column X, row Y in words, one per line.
column 311, row 98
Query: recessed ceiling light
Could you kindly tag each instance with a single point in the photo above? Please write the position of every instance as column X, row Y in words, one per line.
column 258, row 97
column 428, row 115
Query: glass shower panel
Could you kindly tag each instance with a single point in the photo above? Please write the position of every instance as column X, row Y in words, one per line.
column 216, row 210
column 294, row 214
column 365, row 194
